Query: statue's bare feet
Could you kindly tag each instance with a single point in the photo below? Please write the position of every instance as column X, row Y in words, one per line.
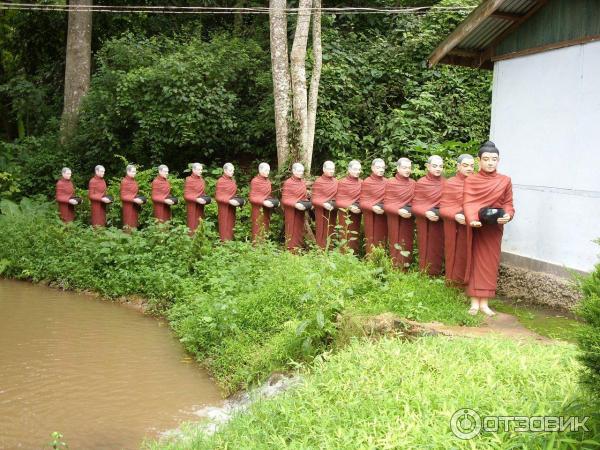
column 473, row 310
column 487, row 311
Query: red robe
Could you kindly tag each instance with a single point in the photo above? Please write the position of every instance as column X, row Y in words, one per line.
column 428, row 194
column 161, row 189
column 64, row 191
column 129, row 189
column 260, row 190
column 224, row 191
column 371, row 193
column 323, row 189
column 292, row 192
column 97, row 190
column 399, row 192
column 348, row 192
column 455, row 234
column 483, row 244
column 193, row 188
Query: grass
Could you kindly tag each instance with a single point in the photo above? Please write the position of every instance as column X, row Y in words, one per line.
column 399, row 394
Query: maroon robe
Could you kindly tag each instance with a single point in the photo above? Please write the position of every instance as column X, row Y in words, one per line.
column 371, row 193
column 348, row 192
column 193, row 188
column 399, row 192
column 428, row 194
column 224, row 191
column 293, row 191
column 129, row 189
column 96, row 191
column 260, row 190
column 161, row 189
column 324, row 189
column 64, row 192
column 482, row 190
column 455, row 234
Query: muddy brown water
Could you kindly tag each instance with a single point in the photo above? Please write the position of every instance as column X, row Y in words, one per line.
column 103, row 375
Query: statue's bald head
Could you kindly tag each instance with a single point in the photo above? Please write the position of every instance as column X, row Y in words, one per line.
column 99, row 170
column 130, row 170
column 404, row 167
column 197, row 168
column 163, row 170
column 354, row 168
column 264, row 169
column 328, row 168
column 435, row 165
column 378, row 167
column 465, row 164
column 298, row 170
column 66, row 173
column 228, row 169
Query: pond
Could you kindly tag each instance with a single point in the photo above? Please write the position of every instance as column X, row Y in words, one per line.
column 103, row 375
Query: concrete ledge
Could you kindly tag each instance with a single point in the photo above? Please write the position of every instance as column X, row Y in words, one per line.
column 539, row 266
column 533, row 287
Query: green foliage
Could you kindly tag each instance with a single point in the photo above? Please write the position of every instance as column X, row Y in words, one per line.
column 589, row 337
column 402, row 394
column 244, row 310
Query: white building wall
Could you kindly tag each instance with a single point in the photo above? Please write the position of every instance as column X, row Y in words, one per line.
column 546, row 123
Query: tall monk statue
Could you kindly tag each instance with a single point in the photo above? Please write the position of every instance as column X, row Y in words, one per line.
column 371, row 204
column 455, row 230
column 324, row 190
column 261, row 201
column 347, row 201
column 65, row 192
column 194, row 196
column 425, row 207
column 161, row 193
column 293, row 193
column 98, row 198
column 131, row 202
column 399, row 192
column 225, row 191
column 487, row 206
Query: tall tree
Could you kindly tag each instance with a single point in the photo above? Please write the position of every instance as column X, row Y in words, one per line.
column 289, row 80
column 78, row 62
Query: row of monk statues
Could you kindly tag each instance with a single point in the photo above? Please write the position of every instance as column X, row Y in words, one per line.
column 459, row 221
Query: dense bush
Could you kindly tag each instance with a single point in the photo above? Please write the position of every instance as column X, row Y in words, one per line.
column 244, row 310
column 589, row 337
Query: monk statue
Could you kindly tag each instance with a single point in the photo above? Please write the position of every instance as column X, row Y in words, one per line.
column 399, row 192
column 225, row 191
column 261, row 201
column 371, row 204
column 324, row 190
column 65, row 196
column 129, row 198
column 98, row 198
column 487, row 206
column 347, row 201
column 161, row 195
column 455, row 230
column 294, row 200
column 425, row 207
column 194, row 196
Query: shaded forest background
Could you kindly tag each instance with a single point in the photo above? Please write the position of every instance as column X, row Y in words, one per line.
column 175, row 89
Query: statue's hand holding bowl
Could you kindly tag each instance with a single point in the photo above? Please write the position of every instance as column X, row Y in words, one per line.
column 268, row 204
column 354, row 209
column 432, row 216
column 504, row 219
column 138, row 201
column 168, row 201
column 475, row 224
column 201, row 201
column 72, row 201
column 233, row 202
column 460, row 218
column 378, row 209
column 404, row 213
column 300, row 207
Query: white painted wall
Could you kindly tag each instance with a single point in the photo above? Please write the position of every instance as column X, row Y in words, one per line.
column 546, row 123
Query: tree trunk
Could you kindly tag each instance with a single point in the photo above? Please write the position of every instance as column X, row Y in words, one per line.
column 281, row 77
column 298, row 77
column 315, row 80
column 78, row 64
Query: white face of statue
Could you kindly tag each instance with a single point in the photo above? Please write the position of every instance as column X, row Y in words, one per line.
column 355, row 170
column 67, row 175
column 197, row 170
column 164, row 173
column 466, row 167
column 229, row 171
column 298, row 173
column 435, row 167
column 132, row 172
column 329, row 169
column 100, row 172
column 489, row 161
column 405, row 169
column 378, row 169
column 264, row 170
